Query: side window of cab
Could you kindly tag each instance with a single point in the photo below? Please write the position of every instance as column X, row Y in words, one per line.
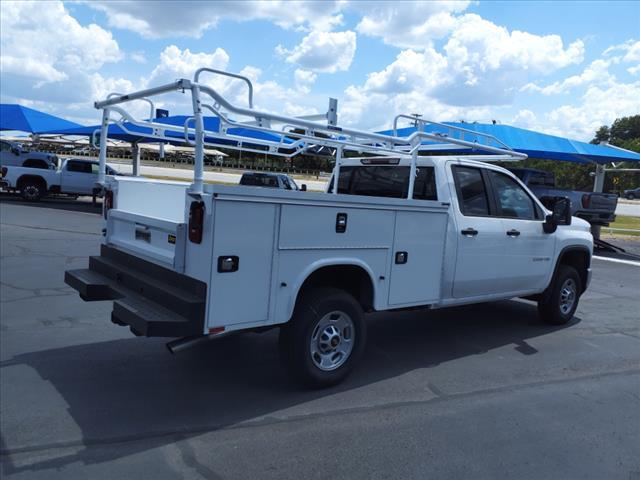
column 512, row 201
column 471, row 190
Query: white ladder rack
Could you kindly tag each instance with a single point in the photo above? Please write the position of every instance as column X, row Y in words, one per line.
column 282, row 141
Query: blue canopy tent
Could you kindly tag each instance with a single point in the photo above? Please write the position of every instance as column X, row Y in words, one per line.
column 24, row 119
column 142, row 134
column 135, row 134
column 534, row 144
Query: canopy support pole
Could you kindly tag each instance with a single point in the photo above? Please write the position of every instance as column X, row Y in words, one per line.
column 135, row 157
column 102, row 159
column 598, row 185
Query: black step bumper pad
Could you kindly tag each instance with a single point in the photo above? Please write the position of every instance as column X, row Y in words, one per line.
column 152, row 300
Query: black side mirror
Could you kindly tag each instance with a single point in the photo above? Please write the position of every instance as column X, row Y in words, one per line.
column 561, row 213
column 15, row 150
column 303, row 187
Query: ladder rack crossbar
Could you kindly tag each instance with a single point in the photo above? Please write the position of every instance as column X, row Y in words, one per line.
column 421, row 123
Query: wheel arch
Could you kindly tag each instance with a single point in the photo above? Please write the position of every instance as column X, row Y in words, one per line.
column 348, row 274
column 25, row 178
column 578, row 257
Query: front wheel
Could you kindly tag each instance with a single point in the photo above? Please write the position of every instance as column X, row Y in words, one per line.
column 560, row 301
column 325, row 337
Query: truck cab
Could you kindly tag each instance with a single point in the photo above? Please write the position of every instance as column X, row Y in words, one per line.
column 490, row 207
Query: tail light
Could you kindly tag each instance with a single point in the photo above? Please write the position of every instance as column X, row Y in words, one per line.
column 4, row 170
column 107, row 203
column 196, row 221
column 586, row 200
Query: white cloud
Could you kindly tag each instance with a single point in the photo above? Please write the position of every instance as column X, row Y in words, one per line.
column 304, row 80
column 42, row 42
column 596, row 73
column 525, row 118
column 634, row 70
column 176, row 63
column 484, row 46
column 408, row 24
column 630, row 49
column 322, row 51
column 158, row 19
column 49, row 60
column 410, row 71
column 138, row 57
column 633, row 53
column 599, row 106
column 481, row 67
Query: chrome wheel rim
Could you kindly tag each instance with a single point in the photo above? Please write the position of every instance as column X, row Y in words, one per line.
column 332, row 341
column 568, row 295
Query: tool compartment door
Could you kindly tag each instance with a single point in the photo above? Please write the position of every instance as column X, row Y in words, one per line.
column 244, row 230
column 421, row 236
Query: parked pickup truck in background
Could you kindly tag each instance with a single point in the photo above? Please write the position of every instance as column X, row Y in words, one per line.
column 632, row 194
column 74, row 177
column 595, row 208
column 13, row 154
column 270, row 180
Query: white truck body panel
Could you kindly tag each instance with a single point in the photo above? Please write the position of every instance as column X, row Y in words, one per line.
column 282, row 237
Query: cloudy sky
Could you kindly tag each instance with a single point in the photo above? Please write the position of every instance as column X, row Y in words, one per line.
column 560, row 67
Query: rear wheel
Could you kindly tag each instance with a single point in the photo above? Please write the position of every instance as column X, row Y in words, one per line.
column 32, row 191
column 560, row 301
column 325, row 337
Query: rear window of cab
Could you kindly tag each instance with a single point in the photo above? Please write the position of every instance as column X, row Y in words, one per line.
column 386, row 181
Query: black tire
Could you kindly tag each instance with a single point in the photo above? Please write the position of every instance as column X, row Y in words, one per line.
column 560, row 301
column 329, row 315
column 31, row 190
column 631, row 196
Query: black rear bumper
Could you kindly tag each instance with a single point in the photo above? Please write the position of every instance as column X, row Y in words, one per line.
column 603, row 218
column 152, row 300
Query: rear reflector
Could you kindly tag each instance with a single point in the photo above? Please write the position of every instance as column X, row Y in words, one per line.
column 107, row 203
column 586, row 200
column 196, row 221
column 215, row 330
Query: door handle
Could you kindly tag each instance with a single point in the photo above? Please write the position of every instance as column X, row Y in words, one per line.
column 513, row 232
column 469, row 232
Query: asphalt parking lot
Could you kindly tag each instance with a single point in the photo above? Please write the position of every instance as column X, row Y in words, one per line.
column 480, row 392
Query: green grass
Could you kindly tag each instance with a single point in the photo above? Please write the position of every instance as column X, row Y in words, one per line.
column 623, row 221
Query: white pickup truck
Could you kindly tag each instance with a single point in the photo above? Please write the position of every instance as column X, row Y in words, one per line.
column 74, row 177
column 196, row 260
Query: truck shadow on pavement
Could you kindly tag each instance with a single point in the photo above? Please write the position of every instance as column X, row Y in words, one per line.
column 133, row 391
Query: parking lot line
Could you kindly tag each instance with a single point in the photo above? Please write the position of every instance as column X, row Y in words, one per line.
column 618, row 260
